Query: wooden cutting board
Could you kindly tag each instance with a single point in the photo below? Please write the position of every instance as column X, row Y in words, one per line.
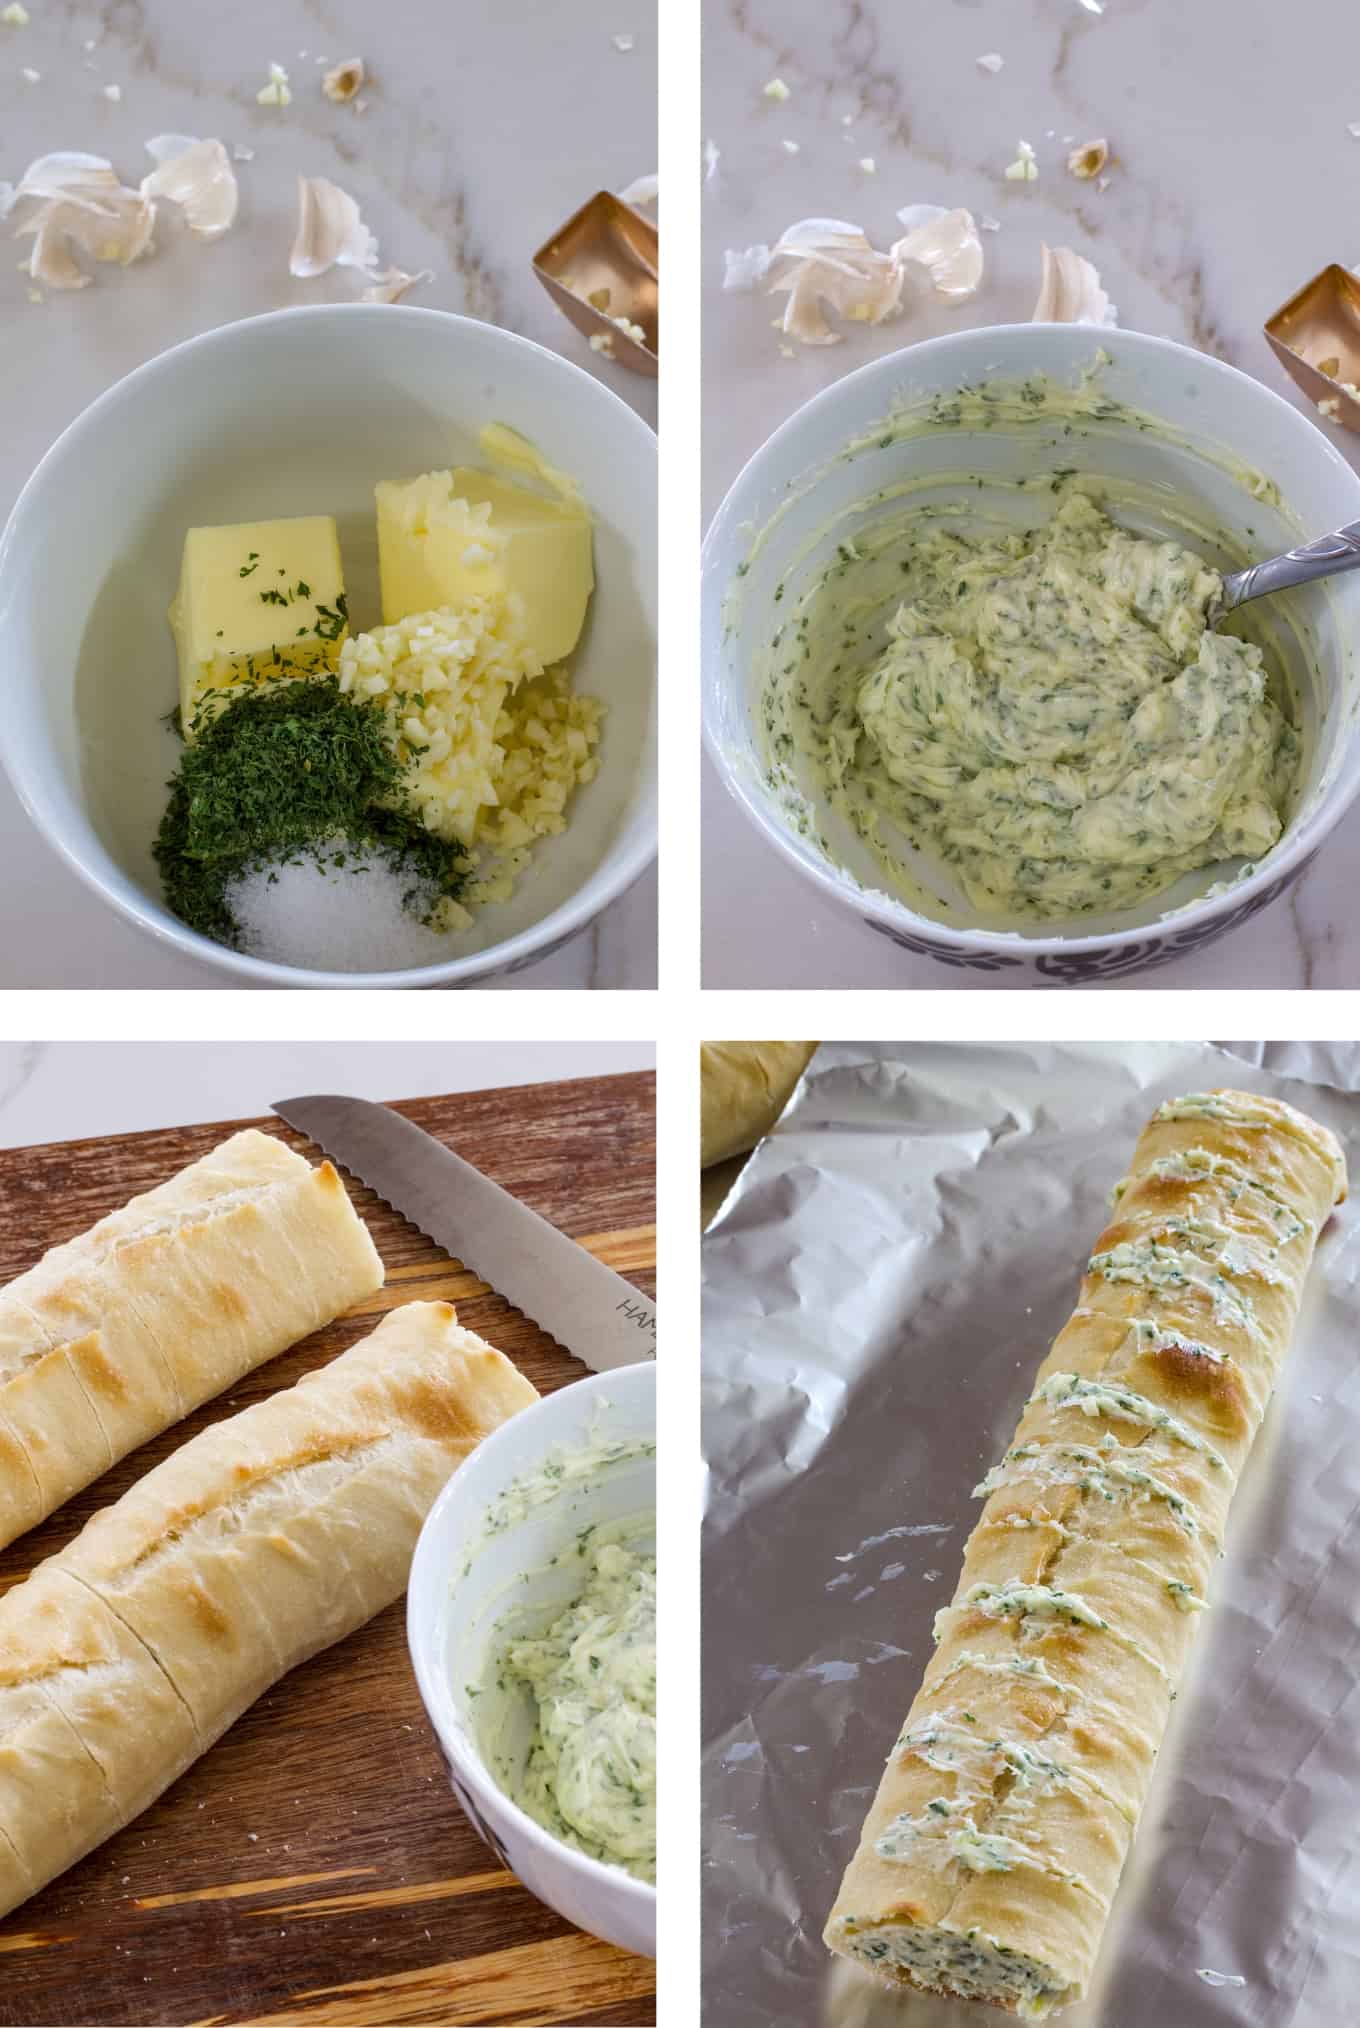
column 314, row 1867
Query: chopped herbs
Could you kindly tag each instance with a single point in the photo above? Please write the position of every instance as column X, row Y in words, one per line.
column 285, row 772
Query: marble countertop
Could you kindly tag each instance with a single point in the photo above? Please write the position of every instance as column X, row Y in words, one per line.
column 1235, row 182
column 68, row 1091
column 482, row 129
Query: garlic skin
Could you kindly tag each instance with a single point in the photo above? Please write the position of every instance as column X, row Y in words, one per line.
column 945, row 245
column 198, row 177
column 330, row 231
column 827, row 262
column 78, row 203
column 345, row 81
column 392, row 283
column 121, row 233
column 642, row 190
column 1088, row 160
column 1070, row 291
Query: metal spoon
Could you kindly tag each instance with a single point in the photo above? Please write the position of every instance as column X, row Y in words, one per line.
column 1323, row 558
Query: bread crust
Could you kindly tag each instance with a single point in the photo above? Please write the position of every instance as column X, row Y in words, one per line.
column 264, row 1539
column 993, row 1848
column 123, row 1330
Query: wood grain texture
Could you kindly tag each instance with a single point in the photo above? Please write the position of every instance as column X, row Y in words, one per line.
column 314, row 1868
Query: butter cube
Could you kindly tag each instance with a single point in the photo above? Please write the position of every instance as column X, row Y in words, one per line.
column 450, row 535
column 256, row 601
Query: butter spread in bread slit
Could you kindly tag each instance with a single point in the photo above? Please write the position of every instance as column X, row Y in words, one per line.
column 262, row 1540
column 163, row 1304
column 990, row 1857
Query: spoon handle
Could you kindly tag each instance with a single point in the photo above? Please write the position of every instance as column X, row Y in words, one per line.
column 1330, row 553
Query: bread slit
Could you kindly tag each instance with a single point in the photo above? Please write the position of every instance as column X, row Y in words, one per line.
column 155, row 1660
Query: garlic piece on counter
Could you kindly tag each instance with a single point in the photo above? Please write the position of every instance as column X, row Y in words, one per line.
column 330, row 231
column 712, row 157
column 276, row 92
column 86, row 179
column 817, row 261
column 791, row 147
column 991, row 62
column 945, row 244
column 776, row 89
column 391, row 285
column 346, row 81
column 1088, row 160
column 1070, row 291
column 1024, row 169
column 1330, row 406
column 198, row 177
column 868, row 165
column 79, row 200
column 623, row 43
column 642, row 190
column 15, row 16
column 118, row 231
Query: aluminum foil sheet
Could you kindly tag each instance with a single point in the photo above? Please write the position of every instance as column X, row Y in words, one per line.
column 880, row 1288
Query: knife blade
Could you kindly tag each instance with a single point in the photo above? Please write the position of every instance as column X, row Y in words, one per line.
column 585, row 1305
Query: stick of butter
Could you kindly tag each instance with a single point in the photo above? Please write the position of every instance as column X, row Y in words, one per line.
column 448, row 536
column 257, row 600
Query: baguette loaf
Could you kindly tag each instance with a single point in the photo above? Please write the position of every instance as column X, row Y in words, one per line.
column 991, row 1854
column 261, row 1541
column 160, row 1306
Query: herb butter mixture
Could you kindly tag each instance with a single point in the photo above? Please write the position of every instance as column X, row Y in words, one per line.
column 439, row 746
column 591, row 1773
column 1048, row 716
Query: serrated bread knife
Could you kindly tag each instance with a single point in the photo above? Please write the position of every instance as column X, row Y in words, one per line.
column 588, row 1308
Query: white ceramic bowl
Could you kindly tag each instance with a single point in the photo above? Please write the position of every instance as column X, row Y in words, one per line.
column 805, row 493
column 466, row 1580
column 301, row 412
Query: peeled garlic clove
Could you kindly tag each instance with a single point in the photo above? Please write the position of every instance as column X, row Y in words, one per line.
column 198, row 177
column 330, row 231
column 391, row 285
column 1070, row 291
column 345, row 81
column 946, row 246
column 1088, row 160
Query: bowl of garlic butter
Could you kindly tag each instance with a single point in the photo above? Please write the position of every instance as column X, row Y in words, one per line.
column 531, row 1619
column 956, row 661
column 349, row 494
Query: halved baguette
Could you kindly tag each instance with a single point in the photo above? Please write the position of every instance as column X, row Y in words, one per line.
column 120, row 1332
column 990, row 1857
column 261, row 1541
